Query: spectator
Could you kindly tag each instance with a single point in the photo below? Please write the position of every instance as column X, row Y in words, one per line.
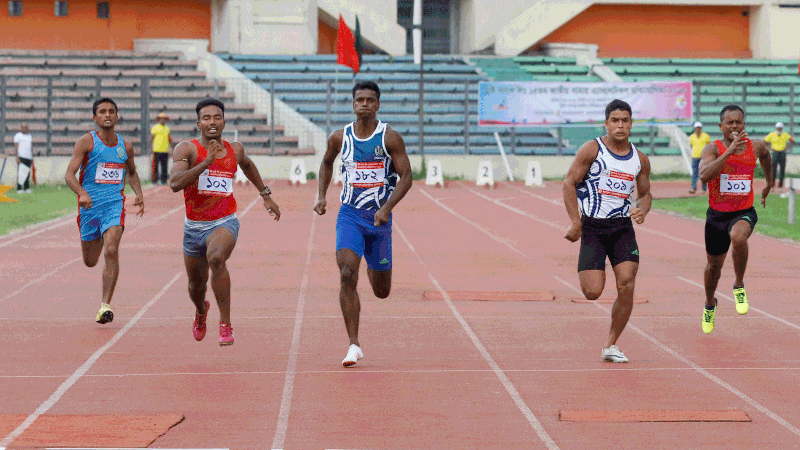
column 162, row 141
column 23, row 143
column 697, row 140
column 778, row 139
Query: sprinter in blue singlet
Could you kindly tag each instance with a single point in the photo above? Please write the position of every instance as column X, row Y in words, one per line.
column 105, row 161
column 376, row 174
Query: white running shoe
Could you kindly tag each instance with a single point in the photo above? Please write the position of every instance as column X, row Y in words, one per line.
column 613, row 354
column 354, row 353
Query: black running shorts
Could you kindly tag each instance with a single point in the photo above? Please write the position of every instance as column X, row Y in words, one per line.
column 600, row 238
column 719, row 225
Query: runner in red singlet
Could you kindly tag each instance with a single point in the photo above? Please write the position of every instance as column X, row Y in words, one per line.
column 728, row 166
column 204, row 169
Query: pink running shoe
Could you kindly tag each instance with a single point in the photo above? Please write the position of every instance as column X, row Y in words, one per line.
column 225, row 334
column 199, row 328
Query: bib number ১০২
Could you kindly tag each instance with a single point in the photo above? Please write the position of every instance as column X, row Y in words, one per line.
column 215, row 182
column 366, row 174
column 617, row 184
column 735, row 184
column 109, row 173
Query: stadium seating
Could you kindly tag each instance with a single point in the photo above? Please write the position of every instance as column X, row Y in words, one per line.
column 450, row 83
column 80, row 77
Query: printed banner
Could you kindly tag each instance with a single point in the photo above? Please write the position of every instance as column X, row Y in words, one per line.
column 562, row 103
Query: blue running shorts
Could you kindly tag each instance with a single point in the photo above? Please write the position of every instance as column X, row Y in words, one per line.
column 195, row 233
column 355, row 230
column 93, row 222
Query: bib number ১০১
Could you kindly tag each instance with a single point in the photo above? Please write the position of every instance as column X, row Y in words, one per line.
column 617, row 184
column 109, row 173
column 366, row 174
column 735, row 184
column 215, row 182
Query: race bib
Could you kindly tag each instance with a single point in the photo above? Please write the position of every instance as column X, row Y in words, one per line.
column 616, row 184
column 109, row 173
column 730, row 184
column 215, row 182
column 366, row 174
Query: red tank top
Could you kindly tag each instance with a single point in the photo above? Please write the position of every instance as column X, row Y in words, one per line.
column 211, row 197
column 732, row 190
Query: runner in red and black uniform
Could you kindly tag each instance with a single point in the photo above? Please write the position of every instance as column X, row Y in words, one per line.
column 205, row 171
column 728, row 166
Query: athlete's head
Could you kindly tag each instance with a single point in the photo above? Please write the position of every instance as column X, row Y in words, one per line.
column 104, row 112
column 210, row 118
column 619, row 120
column 731, row 120
column 366, row 99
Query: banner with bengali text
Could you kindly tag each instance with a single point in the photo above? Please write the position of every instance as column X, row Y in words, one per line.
column 533, row 103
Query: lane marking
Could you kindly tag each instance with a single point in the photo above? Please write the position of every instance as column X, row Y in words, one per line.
column 291, row 366
column 56, row 396
column 512, row 391
column 697, row 368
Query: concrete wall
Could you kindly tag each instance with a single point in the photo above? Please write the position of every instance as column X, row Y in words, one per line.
column 266, row 27
column 772, row 33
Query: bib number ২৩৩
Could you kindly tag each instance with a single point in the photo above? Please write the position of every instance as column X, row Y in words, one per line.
column 616, row 184
column 366, row 174
column 735, row 184
column 109, row 173
column 215, row 182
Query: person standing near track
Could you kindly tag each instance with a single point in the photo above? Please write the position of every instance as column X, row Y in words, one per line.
column 105, row 161
column 204, row 170
column 727, row 166
column 778, row 140
column 376, row 175
column 597, row 195
column 161, row 142
column 23, row 148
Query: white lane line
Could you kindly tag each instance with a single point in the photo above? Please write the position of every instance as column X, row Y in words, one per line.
column 719, row 294
column 291, row 367
column 498, row 201
column 697, row 368
column 512, row 391
column 56, row 396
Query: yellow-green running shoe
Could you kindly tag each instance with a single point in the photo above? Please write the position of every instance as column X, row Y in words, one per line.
column 105, row 314
column 741, row 300
column 708, row 318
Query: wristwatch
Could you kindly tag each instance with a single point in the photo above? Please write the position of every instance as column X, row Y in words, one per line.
column 266, row 191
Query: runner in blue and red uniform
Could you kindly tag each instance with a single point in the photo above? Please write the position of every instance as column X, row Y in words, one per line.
column 105, row 161
column 376, row 174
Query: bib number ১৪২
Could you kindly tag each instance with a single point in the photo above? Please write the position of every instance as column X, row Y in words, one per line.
column 215, row 182
column 617, row 184
column 735, row 184
column 109, row 173
column 366, row 174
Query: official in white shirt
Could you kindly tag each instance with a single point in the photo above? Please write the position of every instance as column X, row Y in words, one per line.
column 23, row 143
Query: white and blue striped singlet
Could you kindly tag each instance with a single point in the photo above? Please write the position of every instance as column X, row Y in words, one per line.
column 606, row 190
column 368, row 175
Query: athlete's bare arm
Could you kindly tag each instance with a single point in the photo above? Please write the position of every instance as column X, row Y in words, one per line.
column 183, row 171
column 133, row 179
column 577, row 171
column 644, row 198
column 251, row 172
column 82, row 148
column 326, row 169
column 762, row 153
column 711, row 161
column 396, row 148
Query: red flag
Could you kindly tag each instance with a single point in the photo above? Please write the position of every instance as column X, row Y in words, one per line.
column 798, row 68
column 346, row 53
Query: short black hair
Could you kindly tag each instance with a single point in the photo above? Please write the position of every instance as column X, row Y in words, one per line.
column 620, row 105
column 371, row 85
column 729, row 108
column 103, row 100
column 209, row 102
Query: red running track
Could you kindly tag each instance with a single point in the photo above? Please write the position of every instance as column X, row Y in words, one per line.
column 438, row 374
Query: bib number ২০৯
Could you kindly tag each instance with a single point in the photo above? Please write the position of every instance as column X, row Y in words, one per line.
column 215, row 182
column 735, row 184
column 109, row 173
column 616, row 184
column 366, row 174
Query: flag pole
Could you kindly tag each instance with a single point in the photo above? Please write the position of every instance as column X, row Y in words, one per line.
column 417, row 41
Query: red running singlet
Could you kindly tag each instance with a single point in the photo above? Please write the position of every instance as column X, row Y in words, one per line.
column 732, row 190
column 211, row 197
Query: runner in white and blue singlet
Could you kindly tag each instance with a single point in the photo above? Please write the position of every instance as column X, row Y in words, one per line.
column 105, row 161
column 597, row 195
column 376, row 174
